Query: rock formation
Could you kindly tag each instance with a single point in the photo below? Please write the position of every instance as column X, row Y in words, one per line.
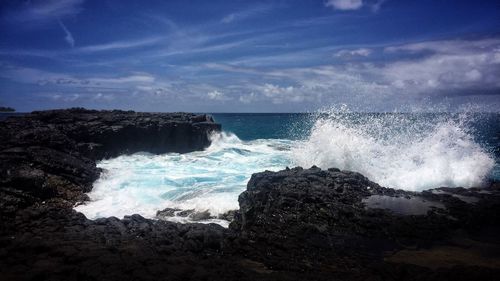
column 305, row 219
column 51, row 154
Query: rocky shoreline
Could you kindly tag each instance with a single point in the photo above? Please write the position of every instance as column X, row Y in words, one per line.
column 291, row 225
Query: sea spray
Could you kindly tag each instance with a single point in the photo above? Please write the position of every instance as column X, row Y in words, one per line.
column 412, row 151
column 209, row 180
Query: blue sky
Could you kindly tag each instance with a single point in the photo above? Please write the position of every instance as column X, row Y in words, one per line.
column 249, row 56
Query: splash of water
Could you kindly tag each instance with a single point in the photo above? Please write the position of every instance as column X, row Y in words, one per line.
column 209, row 180
column 406, row 151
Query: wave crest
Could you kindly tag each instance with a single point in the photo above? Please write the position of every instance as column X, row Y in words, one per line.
column 406, row 151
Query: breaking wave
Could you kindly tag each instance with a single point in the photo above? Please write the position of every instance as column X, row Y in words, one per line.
column 209, row 180
column 406, row 151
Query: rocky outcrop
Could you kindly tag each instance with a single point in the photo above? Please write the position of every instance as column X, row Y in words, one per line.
column 50, row 155
column 103, row 134
column 305, row 219
column 295, row 224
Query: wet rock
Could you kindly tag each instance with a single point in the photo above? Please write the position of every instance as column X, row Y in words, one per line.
column 166, row 213
column 193, row 215
column 185, row 213
column 199, row 216
column 322, row 216
column 410, row 205
column 228, row 216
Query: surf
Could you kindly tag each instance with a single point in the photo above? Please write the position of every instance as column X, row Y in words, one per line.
column 209, row 180
column 411, row 151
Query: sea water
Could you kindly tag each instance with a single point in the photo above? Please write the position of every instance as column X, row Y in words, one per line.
column 411, row 151
column 208, row 180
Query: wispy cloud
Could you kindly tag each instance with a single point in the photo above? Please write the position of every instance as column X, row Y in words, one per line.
column 42, row 78
column 377, row 5
column 68, row 37
column 350, row 5
column 136, row 78
column 461, row 67
column 467, row 65
column 36, row 14
column 246, row 14
column 120, row 45
column 344, row 5
column 362, row 52
column 466, row 68
column 39, row 12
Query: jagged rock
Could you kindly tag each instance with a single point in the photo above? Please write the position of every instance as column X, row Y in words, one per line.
column 166, row 213
column 200, row 216
column 322, row 216
column 228, row 216
column 185, row 213
column 49, row 154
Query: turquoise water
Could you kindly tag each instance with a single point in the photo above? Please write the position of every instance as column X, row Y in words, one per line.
column 252, row 126
column 407, row 151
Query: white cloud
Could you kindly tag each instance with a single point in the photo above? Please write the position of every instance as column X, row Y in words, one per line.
column 216, row 95
column 442, row 68
column 137, row 78
column 277, row 94
column 344, row 4
column 65, row 97
column 473, row 75
column 245, row 14
column 228, row 19
column 118, row 45
column 431, row 69
column 103, row 97
column 68, row 37
column 377, row 5
column 362, row 52
column 447, row 66
column 447, row 46
column 42, row 78
column 248, row 98
column 37, row 12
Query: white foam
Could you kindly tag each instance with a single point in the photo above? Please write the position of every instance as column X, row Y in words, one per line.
column 396, row 150
column 204, row 180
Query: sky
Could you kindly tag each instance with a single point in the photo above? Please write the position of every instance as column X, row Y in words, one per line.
column 249, row 56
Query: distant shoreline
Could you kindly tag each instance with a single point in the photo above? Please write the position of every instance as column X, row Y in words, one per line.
column 4, row 109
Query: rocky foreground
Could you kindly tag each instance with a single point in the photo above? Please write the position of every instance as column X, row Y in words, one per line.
column 295, row 224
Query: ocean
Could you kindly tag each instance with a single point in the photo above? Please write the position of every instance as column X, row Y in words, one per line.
column 411, row 151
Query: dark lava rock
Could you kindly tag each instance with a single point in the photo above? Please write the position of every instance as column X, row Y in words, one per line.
column 52, row 154
column 167, row 213
column 185, row 213
column 228, row 216
column 200, row 216
column 300, row 219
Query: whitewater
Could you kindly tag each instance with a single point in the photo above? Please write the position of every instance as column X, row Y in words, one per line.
column 208, row 180
column 403, row 151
